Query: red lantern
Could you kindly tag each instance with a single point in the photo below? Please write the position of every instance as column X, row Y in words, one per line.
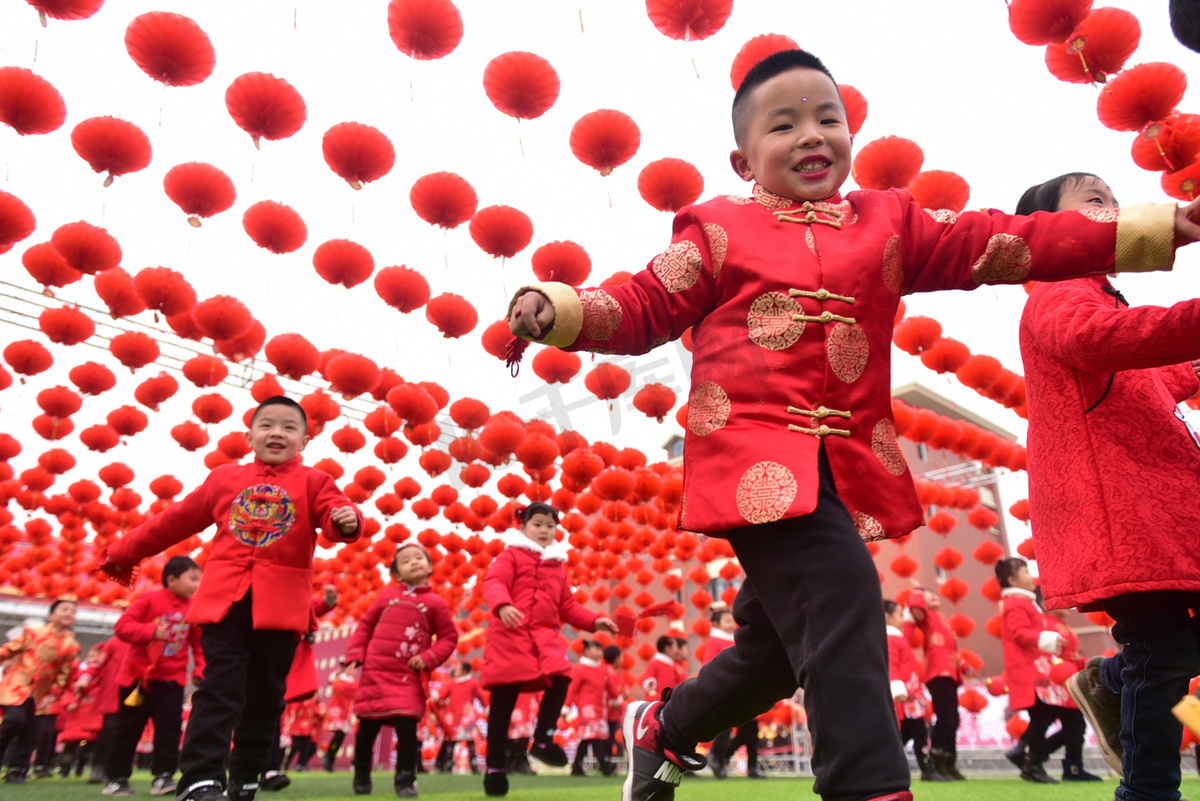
column 115, row 475
column 755, row 51
column 1141, row 95
column 443, row 199
column 200, row 189
column 351, row 374
column 945, row 356
column 452, row 315
column 521, row 85
column 111, row 145
column 358, row 153
column 27, row 357
column 47, row 267
column 903, row 565
column 942, row 522
column 66, row 326
column 424, row 29
column 1043, row 22
column 99, row 438
column 1026, row 550
column 1099, row 47
column 469, row 414
column 954, row 590
column 605, row 139
column 565, row 262
column 133, row 349
column 221, row 317
column 115, row 288
column 916, row 334
column 980, row 372
column 28, row 103
column 939, row 189
column 501, row 231
column 92, row 378
column 1020, row 510
column 1016, row 726
column 556, row 366
column 670, row 184
column 856, row 107
column 265, row 107
column 170, row 48
column 402, row 288
column 502, row 435
column 948, row 558
column 164, row 290
column 205, row 371
column 607, row 381
column 654, row 400
column 245, row 345
column 886, row 163
column 211, row 408
column 972, row 700
column 988, row 552
column 190, row 436
column 688, row 20
column 65, row 9
column 340, row 261
column 1183, row 184
column 274, row 226
column 86, row 248
column 1169, row 145
column 982, row 518
column 292, row 355
column 59, row 401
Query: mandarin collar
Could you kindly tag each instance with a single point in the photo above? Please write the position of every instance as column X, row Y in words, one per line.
column 770, row 201
column 283, row 467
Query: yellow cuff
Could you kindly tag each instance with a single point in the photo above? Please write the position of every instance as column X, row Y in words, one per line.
column 568, row 312
column 1146, row 238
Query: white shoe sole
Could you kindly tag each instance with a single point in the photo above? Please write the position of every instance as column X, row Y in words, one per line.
column 627, row 730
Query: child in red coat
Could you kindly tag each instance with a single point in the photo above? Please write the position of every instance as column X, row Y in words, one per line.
column 455, row 706
column 343, row 685
column 591, row 687
column 405, row 634
column 908, row 691
column 267, row 514
column 526, row 588
column 943, row 674
column 662, row 672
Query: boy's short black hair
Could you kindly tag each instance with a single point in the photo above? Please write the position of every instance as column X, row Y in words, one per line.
column 60, row 602
column 177, row 566
column 590, row 644
column 1045, row 197
column 890, row 607
column 765, row 70
column 538, row 508
column 280, row 400
column 1007, row 568
column 463, row 668
column 664, row 642
column 717, row 614
column 612, row 654
column 1185, row 23
column 681, row 642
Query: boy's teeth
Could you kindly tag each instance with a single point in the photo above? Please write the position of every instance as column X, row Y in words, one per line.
column 813, row 166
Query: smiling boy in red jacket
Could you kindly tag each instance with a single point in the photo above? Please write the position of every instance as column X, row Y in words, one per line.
column 267, row 514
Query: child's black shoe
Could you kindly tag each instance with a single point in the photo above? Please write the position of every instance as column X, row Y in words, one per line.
column 495, row 783
column 406, row 784
column 550, row 753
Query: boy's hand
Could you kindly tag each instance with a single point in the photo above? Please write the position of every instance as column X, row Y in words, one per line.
column 510, row 616
column 532, row 315
column 345, row 519
column 1187, row 224
column 417, row 663
column 162, row 631
column 606, row 624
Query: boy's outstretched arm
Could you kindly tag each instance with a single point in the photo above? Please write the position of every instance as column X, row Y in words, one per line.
column 1187, row 224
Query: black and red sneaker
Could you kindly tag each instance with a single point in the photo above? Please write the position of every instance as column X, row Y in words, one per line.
column 655, row 768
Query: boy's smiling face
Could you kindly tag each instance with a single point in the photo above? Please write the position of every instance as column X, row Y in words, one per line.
column 277, row 433
column 794, row 140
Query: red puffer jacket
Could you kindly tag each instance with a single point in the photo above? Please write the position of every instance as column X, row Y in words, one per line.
column 402, row 623
column 534, row 580
column 1028, row 646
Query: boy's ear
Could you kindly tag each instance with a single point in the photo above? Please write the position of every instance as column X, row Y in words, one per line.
column 741, row 165
column 303, row 442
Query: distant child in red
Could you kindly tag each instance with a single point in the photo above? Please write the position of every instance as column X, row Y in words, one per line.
column 405, row 634
column 591, row 687
column 302, row 721
column 1073, row 730
column 527, row 590
column 156, row 666
column 456, row 712
column 343, row 685
column 613, row 659
column 662, row 672
column 943, row 675
column 267, row 515
column 726, row 744
column 908, row 691
column 81, row 719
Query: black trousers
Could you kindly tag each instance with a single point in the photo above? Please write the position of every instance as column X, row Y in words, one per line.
column 1070, row 735
column 302, row 748
column 46, row 742
column 163, row 703
column 104, row 742
column 726, row 744
column 335, row 744
column 245, row 676
column 504, row 700
column 19, row 730
column 600, row 752
column 808, row 616
column 407, row 747
column 916, row 730
column 943, row 691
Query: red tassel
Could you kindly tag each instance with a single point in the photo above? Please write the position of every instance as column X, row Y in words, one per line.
column 513, row 352
column 125, row 576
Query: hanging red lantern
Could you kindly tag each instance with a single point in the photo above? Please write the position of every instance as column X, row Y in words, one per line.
column 982, row 518
column 654, row 400
column 501, row 231
column 16, row 221
column 27, row 357
column 164, row 290
column 565, row 262
column 1141, row 95
column 86, row 247
column 200, row 189
column 916, row 334
column 205, row 371
column 954, row 590
column 413, row 403
column 28, row 103
column 521, row 85
column 265, row 107
column 502, row 435
column 211, row 408
column 244, row 346
column 495, row 339
column 274, row 226
column 1099, row 47
column 111, row 145
column 52, row 428
column 65, row 9
column 402, row 288
column 856, row 107
column 170, row 48
column 1043, row 22
column 556, row 366
column 1020, row 510
column 605, row 139
column 115, row 475
column 1183, row 184
column 190, row 436
column 670, row 184
column 452, row 315
column 972, row 700
column 100, row 439
column 292, row 355
column 351, row 374
column 988, row 552
column 688, row 20
column 434, row 462
column 92, row 378
column 980, row 372
column 358, row 153
column 221, row 317
column 59, row 401
column 903, row 565
column 424, row 29
column 115, row 288
column 948, row 558
column 756, row 50
column 607, row 381
column 1169, row 145
column 443, row 199
column 887, row 163
column 945, row 355
column 942, row 522
column 469, row 414
column 133, row 349
column 46, row 266
column 340, row 261
column 940, row 189
column 390, row 450
column 66, row 326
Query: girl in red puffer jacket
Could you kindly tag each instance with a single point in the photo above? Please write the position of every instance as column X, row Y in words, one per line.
column 405, row 634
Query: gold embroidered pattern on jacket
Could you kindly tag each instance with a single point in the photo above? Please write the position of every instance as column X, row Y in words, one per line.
column 718, row 246
column 765, row 492
column 1006, row 260
column 739, row 200
column 887, row 449
column 868, row 527
column 1101, row 215
column 811, row 241
column 769, row 200
column 678, row 267
column 893, row 265
column 601, row 314
column 708, row 408
column 772, row 321
column 942, row 215
column 848, row 352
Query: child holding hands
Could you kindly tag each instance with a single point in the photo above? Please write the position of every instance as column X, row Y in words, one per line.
column 405, row 634
column 527, row 590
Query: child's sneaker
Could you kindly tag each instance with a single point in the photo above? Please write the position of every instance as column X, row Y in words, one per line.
column 550, row 753
column 164, row 784
column 243, row 792
column 495, row 783
column 118, row 788
column 406, row 784
column 273, row 780
column 207, row 790
column 654, row 769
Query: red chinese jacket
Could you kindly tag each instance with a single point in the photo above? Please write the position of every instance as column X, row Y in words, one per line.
column 660, row 674
column 1114, row 471
column 1028, row 646
column 717, row 642
column 267, row 518
column 42, row 661
column 904, row 673
column 791, row 307
column 939, row 640
column 158, row 660
column 455, row 706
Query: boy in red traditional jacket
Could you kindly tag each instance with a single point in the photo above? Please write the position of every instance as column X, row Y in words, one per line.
column 908, row 691
column 156, row 666
column 661, row 673
column 791, row 447
column 267, row 514
column 591, row 687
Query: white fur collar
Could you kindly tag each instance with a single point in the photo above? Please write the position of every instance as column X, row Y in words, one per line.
column 554, row 552
column 463, row 679
column 661, row 657
column 1020, row 593
column 583, row 660
column 892, row 631
column 721, row 635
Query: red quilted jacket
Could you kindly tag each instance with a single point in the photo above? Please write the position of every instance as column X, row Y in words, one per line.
column 402, row 623
column 1114, row 473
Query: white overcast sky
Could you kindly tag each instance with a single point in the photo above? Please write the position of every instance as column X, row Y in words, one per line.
column 946, row 73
